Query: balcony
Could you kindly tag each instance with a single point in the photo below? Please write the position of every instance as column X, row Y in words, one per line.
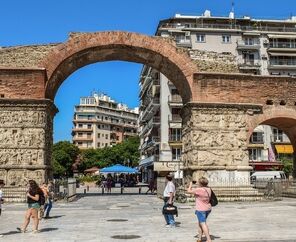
column 175, row 100
column 282, row 63
column 150, row 109
column 231, row 26
column 83, row 138
column 175, row 118
column 82, row 130
column 282, row 46
column 151, row 142
column 277, row 138
column 183, row 43
column 155, row 121
column 249, row 65
column 248, row 45
column 175, row 138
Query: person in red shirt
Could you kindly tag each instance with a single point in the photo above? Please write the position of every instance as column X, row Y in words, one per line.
column 202, row 206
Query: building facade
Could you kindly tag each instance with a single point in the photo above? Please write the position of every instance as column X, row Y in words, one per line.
column 100, row 122
column 244, row 45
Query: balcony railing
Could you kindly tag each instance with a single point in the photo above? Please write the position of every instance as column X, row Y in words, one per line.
column 249, row 64
column 283, row 62
column 228, row 26
column 175, row 99
column 277, row 138
column 175, row 138
column 175, row 118
column 287, row 45
column 248, row 45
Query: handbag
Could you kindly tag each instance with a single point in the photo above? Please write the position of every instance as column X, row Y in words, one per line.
column 213, row 198
column 170, row 209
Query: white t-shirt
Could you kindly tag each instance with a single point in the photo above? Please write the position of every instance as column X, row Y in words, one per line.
column 170, row 187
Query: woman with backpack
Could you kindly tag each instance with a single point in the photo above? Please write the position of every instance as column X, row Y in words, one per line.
column 202, row 206
column 34, row 194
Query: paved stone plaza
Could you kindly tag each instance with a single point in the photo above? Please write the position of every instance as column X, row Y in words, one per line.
column 99, row 218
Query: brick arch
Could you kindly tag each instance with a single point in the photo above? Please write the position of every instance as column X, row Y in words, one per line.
column 280, row 117
column 86, row 48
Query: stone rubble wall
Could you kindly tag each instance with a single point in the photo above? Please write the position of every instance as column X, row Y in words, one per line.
column 24, row 56
column 209, row 61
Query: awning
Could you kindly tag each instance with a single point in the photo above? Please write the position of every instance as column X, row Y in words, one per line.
column 281, row 36
column 282, row 54
column 284, row 149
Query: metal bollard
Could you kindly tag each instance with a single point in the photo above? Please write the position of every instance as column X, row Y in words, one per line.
column 140, row 190
column 84, row 191
column 121, row 190
column 87, row 187
column 103, row 190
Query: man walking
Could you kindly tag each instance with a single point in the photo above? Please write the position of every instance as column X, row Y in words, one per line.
column 168, row 197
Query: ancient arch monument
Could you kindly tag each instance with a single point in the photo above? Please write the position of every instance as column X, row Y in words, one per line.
column 221, row 110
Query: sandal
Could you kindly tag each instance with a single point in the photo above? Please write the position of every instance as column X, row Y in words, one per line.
column 21, row 230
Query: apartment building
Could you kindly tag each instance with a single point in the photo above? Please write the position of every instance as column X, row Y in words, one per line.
column 100, row 122
column 253, row 46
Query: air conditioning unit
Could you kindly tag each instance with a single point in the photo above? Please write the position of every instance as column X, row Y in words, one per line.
column 187, row 33
column 265, row 41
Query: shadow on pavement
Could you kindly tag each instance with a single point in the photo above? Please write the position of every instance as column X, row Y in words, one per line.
column 52, row 217
column 47, row 230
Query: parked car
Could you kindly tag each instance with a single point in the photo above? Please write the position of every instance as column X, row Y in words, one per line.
column 267, row 175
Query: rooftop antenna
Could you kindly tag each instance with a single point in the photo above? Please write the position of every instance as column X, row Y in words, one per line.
column 231, row 14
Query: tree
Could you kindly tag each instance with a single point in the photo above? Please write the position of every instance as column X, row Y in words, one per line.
column 120, row 153
column 288, row 165
column 63, row 156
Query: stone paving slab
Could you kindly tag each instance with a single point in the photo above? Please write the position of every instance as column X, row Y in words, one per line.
column 99, row 218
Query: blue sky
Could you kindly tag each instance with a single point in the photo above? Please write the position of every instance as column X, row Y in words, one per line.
column 38, row 22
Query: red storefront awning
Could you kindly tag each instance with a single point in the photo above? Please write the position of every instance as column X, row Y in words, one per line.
column 266, row 166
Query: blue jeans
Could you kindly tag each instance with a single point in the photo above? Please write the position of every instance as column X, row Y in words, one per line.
column 47, row 207
column 169, row 218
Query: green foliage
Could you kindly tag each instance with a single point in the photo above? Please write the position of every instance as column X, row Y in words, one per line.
column 121, row 153
column 96, row 179
column 288, row 165
column 63, row 156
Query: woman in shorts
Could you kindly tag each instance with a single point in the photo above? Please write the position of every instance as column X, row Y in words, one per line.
column 202, row 206
column 33, row 197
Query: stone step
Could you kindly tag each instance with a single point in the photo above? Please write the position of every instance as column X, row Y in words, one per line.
column 14, row 194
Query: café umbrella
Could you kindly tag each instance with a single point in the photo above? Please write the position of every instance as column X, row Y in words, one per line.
column 119, row 169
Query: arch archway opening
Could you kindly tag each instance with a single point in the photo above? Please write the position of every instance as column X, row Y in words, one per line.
column 272, row 145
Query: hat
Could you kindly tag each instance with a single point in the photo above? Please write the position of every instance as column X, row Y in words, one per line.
column 2, row 182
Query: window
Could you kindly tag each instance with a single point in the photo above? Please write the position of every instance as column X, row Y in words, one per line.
column 255, row 154
column 79, row 143
column 106, row 136
column 99, row 126
column 176, row 154
column 226, row 38
column 80, row 134
column 257, row 138
column 277, row 135
column 99, row 135
column 249, row 41
column 89, row 126
column 99, row 144
column 175, row 134
column 200, row 38
column 80, row 125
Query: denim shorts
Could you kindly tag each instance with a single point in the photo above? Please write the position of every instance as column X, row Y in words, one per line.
column 202, row 215
column 34, row 205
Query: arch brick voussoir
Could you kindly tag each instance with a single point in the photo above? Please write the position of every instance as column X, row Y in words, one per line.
column 85, row 48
